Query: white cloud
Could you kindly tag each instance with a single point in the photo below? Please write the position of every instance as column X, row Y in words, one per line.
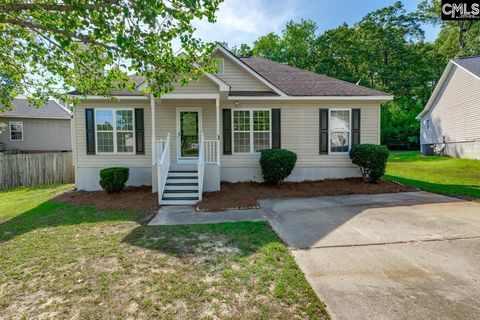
column 243, row 21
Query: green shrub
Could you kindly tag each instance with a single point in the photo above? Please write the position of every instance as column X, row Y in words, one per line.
column 277, row 164
column 113, row 179
column 372, row 160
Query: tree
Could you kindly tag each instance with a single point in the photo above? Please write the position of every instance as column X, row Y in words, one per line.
column 48, row 47
column 457, row 37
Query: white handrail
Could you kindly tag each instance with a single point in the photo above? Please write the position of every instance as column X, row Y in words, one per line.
column 163, row 165
column 201, row 165
column 212, row 153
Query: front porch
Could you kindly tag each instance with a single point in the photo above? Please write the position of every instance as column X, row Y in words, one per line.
column 185, row 147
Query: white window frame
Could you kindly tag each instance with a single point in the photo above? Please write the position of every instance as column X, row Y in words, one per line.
column 349, row 131
column 221, row 62
column 10, row 130
column 251, row 131
column 114, row 112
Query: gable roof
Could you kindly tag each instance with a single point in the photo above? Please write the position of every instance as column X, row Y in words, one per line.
column 51, row 109
column 298, row 82
column 469, row 64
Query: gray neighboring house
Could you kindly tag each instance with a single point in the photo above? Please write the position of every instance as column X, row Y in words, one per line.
column 31, row 129
column 450, row 122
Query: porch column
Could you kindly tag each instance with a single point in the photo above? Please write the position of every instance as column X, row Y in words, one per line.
column 154, row 145
column 217, row 114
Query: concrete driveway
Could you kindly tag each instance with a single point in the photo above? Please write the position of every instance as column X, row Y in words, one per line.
column 412, row 255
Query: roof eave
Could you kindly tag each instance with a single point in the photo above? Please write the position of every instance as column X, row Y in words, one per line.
column 314, row 98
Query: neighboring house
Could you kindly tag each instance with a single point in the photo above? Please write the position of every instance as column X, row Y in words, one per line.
column 450, row 122
column 251, row 104
column 31, row 129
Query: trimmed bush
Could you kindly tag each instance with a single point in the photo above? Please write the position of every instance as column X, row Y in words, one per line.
column 372, row 160
column 113, row 179
column 277, row 164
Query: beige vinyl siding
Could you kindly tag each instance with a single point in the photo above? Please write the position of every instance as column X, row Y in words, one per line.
column 202, row 85
column 101, row 161
column 166, row 120
column 238, row 78
column 455, row 112
column 300, row 132
column 39, row 134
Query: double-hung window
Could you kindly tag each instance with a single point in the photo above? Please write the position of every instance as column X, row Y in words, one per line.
column 339, row 125
column 251, row 130
column 115, row 131
column 16, row 131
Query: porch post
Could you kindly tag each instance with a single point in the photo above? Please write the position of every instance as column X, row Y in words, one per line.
column 217, row 114
column 154, row 145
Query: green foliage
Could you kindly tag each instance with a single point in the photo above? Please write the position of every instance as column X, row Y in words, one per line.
column 277, row 164
column 384, row 51
column 114, row 179
column 372, row 160
column 93, row 46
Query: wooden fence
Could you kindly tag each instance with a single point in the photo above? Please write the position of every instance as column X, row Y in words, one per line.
column 35, row 168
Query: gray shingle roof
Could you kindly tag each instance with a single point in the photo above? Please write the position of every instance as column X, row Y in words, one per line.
column 51, row 109
column 298, row 82
column 472, row 64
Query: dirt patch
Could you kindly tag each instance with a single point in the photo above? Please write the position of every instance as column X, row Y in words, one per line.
column 246, row 194
column 132, row 198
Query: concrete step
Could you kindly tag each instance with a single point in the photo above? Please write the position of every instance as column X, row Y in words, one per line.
column 178, row 202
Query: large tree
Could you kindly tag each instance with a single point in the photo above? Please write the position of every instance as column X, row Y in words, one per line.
column 48, row 47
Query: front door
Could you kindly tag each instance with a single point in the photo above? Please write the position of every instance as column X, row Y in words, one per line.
column 188, row 133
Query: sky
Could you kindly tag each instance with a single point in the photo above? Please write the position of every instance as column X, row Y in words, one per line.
column 243, row 21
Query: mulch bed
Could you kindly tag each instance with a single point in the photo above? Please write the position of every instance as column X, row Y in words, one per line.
column 246, row 194
column 132, row 198
column 242, row 195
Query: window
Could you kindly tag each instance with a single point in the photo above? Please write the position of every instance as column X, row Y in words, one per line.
column 339, row 125
column 221, row 67
column 428, row 124
column 115, row 132
column 16, row 131
column 251, row 131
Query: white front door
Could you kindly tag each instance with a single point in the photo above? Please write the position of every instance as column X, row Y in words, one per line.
column 189, row 128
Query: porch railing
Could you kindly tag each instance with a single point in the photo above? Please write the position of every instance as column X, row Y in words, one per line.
column 163, row 164
column 212, row 151
column 201, row 165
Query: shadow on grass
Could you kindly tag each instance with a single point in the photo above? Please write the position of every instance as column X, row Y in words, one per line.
column 242, row 238
column 460, row 190
column 413, row 156
column 53, row 214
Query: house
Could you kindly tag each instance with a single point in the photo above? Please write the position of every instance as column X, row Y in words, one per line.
column 450, row 122
column 31, row 129
column 213, row 129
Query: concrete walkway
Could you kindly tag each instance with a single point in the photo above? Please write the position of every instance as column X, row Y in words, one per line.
column 409, row 255
column 187, row 215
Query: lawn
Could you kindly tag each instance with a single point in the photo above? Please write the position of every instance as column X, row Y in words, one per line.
column 450, row 176
column 64, row 261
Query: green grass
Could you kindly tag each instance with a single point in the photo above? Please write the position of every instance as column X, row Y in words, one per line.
column 449, row 176
column 62, row 261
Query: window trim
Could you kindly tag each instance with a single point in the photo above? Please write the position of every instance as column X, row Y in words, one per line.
column 251, row 131
column 114, row 112
column 221, row 61
column 10, row 130
column 349, row 131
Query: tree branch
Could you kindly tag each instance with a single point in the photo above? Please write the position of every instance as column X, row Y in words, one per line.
column 5, row 8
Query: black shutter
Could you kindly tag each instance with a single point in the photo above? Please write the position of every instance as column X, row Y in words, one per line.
column 323, row 125
column 139, row 131
column 227, row 131
column 276, row 133
column 355, row 126
column 90, row 130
